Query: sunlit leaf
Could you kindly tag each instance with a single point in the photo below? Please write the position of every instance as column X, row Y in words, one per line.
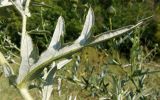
column 86, row 32
column 62, row 63
column 58, row 35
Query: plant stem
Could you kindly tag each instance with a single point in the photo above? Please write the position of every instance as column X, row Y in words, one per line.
column 26, row 95
column 24, row 21
column 110, row 23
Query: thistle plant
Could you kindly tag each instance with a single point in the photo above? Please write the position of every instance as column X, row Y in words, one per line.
column 33, row 65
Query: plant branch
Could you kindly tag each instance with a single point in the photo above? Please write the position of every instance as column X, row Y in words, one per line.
column 70, row 49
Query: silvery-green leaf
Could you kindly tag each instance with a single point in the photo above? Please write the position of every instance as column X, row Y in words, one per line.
column 4, row 3
column 26, row 49
column 86, row 32
column 111, row 34
column 48, row 84
column 55, row 43
column 58, row 34
column 63, row 63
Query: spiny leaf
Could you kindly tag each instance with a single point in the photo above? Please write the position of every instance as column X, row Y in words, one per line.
column 26, row 49
column 70, row 49
column 58, row 35
column 86, row 32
